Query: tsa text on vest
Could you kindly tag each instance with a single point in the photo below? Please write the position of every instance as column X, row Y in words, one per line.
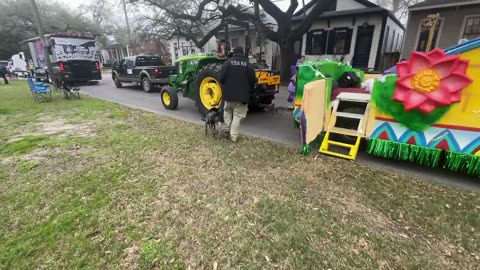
column 239, row 63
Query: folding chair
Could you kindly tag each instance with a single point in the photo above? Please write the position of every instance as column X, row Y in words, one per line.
column 67, row 90
column 40, row 91
column 70, row 90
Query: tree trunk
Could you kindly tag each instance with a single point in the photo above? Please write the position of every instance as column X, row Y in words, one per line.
column 287, row 59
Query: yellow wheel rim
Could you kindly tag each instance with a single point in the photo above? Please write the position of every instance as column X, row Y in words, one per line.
column 166, row 98
column 210, row 93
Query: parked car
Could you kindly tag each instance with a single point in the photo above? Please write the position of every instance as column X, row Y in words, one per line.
column 147, row 70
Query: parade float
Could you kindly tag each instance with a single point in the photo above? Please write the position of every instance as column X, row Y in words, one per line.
column 427, row 111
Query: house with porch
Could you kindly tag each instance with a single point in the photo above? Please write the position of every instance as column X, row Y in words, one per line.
column 114, row 51
column 237, row 36
column 361, row 33
column 180, row 46
column 261, row 47
column 458, row 20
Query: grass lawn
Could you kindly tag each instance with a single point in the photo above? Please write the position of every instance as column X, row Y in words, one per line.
column 87, row 184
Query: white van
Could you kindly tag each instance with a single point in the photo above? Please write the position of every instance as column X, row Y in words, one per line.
column 18, row 65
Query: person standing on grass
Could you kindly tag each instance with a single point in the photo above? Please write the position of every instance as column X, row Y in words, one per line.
column 3, row 73
column 238, row 78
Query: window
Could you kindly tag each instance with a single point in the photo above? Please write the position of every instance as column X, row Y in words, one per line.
column 424, row 34
column 180, row 68
column 472, row 28
column 235, row 42
column 129, row 63
column 316, row 42
column 145, row 61
column 396, row 43
column 336, row 41
column 339, row 40
column 392, row 42
column 386, row 39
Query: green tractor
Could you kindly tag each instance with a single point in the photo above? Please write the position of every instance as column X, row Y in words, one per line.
column 197, row 79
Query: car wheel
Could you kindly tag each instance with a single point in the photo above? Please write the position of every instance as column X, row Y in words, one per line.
column 117, row 82
column 169, row 98
column 147, row 85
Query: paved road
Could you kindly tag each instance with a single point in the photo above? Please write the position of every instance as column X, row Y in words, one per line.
column 274, row 127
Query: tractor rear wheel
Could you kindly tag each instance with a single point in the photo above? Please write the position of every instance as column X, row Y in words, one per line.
column 208, row 88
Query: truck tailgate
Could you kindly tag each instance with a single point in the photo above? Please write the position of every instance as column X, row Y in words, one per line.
column 80, row 68
column 165, row 71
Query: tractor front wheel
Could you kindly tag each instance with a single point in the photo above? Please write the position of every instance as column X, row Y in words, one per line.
column 169, row 98
column 208, row 88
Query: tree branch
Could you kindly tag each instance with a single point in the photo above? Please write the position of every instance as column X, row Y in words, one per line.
column 273, row 10
column 292, row 8
column 259, row 25
column 178, row 15
column 320, row 7
column 193, row 36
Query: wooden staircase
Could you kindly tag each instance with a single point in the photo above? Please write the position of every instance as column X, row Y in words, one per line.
column 342, row 109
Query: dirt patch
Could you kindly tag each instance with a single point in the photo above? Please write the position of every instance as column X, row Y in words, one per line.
column 131, row 257
column 61, row 129
column 39, row 155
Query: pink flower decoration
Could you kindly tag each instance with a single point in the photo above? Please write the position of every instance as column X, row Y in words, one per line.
column 428, row 81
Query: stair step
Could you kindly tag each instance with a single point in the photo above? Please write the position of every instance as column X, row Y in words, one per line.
column 340, row 155
column 344, row 131
column 350, row 115
column 354, row 97
column 345, row 145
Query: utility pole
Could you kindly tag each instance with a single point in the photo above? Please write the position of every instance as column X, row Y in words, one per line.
column 45, row 45
column 259, row 41
column 128, row 27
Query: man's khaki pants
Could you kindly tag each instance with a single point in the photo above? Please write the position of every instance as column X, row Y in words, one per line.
column 233, row 113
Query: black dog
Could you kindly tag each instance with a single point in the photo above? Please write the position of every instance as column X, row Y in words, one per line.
column 213, row 122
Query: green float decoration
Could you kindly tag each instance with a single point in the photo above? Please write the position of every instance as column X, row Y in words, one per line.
column 401, row 151
column 463, row 163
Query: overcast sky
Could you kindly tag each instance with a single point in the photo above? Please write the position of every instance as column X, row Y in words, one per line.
column 118, row 15
column 283, row 4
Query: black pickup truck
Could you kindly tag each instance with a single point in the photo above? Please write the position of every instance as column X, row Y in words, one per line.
column 147, row 70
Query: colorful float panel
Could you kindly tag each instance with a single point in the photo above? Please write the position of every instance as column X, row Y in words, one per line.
column 430, row 110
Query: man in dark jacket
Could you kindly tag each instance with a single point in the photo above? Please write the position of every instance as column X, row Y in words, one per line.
column 238, row 79
column 3, row 73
